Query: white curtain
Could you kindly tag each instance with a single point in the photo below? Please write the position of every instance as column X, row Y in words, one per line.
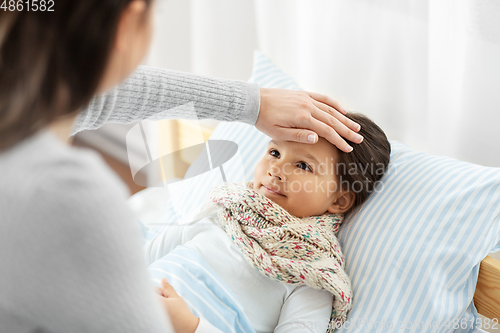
column 428, row 72
column 206, row 37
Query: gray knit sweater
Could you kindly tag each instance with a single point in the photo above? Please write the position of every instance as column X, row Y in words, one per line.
column 70, row 252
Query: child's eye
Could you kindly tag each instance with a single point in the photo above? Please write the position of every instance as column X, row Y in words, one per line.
column 304, row 166
column 274, row 152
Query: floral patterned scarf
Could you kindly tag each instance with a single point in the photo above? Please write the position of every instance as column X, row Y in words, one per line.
column 286, row 248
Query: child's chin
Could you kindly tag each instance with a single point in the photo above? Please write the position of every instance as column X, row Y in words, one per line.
column 276, row 199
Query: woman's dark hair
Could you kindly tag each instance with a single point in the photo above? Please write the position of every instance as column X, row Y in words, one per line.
column 360, row 170
column 51, row 63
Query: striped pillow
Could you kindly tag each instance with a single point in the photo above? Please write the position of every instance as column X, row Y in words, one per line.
column 412, row 250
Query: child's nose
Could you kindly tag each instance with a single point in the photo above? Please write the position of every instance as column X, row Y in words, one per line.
column 276, row 172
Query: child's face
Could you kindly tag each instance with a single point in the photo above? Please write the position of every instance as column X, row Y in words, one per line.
column 301, row 177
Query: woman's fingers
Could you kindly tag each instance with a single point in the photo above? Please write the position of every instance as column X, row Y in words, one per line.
column 167, row 289
column 340, row 123
column 352, row 125
column 295, row 134
column 298, row 115
column 327, row 100
column 322, row 129
column 331, row 134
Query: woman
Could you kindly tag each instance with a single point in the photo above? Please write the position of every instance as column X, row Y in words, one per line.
column 70, row 253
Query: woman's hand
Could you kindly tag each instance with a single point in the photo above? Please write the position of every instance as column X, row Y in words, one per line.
column 182, row 319
column 301, row 116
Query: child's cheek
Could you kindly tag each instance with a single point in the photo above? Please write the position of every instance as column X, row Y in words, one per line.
column 259, row 173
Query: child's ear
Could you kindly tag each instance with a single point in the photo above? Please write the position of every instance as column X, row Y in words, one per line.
column 343, row 203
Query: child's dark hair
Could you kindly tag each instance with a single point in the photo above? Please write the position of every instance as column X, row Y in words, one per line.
column 360, row 170
column 51, row 62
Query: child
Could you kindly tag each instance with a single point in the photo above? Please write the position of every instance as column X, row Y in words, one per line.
column 284, row 225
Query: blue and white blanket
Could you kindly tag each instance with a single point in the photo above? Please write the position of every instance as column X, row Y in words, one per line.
column 202, row 290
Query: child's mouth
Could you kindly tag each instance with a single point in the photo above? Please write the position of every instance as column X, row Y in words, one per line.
column 274, row 192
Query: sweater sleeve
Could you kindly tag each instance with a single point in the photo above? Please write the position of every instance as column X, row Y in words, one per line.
column 152, row 93
column 81, row 268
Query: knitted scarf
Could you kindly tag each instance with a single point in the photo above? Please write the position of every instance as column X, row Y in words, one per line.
column 283, row 247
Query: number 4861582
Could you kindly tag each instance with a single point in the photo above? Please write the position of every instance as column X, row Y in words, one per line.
column 33, row 5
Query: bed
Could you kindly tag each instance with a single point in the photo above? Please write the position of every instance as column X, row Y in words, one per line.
column 416, row 252
column 487, row 295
